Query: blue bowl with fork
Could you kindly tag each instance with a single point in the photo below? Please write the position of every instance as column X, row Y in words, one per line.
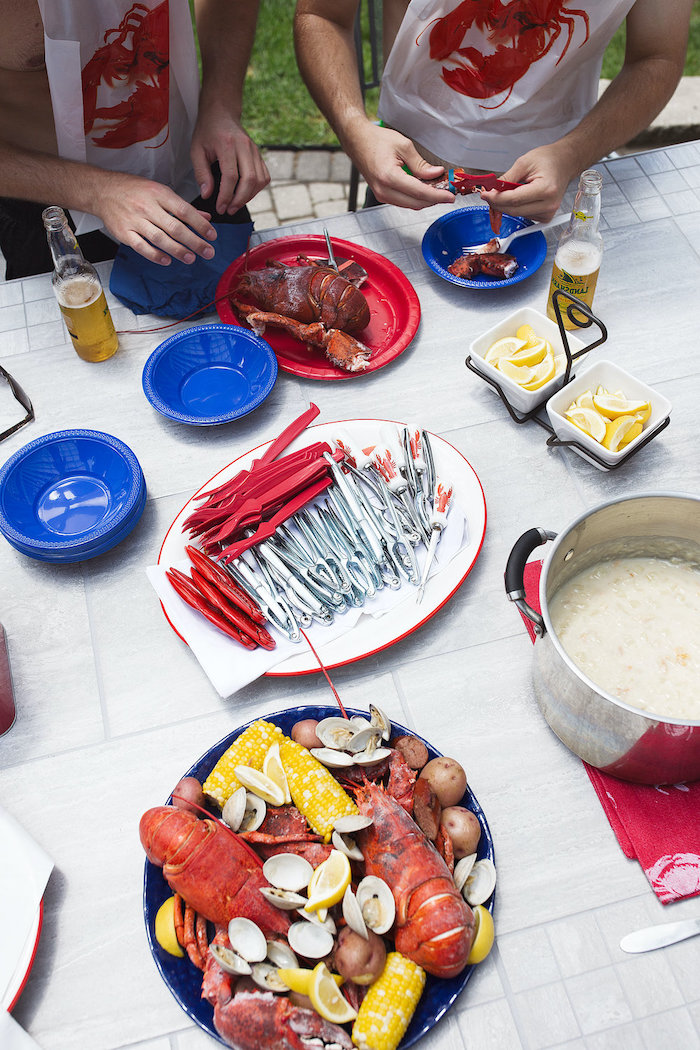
column 209, row 374
column 444, row 241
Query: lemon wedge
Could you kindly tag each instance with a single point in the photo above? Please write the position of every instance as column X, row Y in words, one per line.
column 520, row 374
column 260, row 784
column 299, row 980
column 503, row 348
column 328, row 882
column 527, row 333
column 483, row 937
column 587, row 420
column 273, row 768
column 585, row 400
column 165, row 928
column 531, row 354
column 543, row 372
column 620, row 431
column 326, row 999
column 612, row 406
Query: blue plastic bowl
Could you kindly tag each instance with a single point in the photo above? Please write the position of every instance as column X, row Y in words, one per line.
column 68, row 492
column 210, row 374
column 444, row 240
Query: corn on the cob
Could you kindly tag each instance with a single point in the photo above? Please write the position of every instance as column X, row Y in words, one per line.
column 315, row 791
column 386, row 1011
column 248, row 750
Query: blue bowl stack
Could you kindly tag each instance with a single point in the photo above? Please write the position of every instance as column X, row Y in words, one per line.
column 70, row 495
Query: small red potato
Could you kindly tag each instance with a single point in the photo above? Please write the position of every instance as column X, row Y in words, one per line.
column 188, row 795
column 357, row 958
column 304, row 733
column 413, row 750
column 447, row 779
column 463, row 828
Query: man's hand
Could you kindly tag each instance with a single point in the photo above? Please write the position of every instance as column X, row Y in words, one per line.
column 546, row 172
column 218, row 137
column 380, row 154
column 152, row 219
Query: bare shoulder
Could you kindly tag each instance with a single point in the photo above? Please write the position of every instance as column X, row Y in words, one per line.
column 22, row 37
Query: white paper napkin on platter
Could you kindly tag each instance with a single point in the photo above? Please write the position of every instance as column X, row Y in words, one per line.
column 229, row 667
column 13, row 1036
column 24, row 872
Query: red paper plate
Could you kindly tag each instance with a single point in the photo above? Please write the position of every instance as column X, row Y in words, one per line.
column 392, row 299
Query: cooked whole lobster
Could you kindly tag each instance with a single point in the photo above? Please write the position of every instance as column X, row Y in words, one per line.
column 434, row 924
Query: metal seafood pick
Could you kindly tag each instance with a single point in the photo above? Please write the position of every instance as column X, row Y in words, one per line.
column 329, row 248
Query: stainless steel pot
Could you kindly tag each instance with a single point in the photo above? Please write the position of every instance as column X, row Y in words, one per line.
column 604, row 731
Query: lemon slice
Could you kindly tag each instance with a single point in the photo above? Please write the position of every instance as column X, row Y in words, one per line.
column 585, row 400
column 527, row 333
column 328, row 882
column 260, row 784
column 619, row 432
column 543, row 372
column 503, row 348
column 644, row 414
column 299, row 980
column 531, row 354
column 273, row 768
column 587, row 420
column 520, row 374
column 484, row 936
column 326, row 999
column 165, row 928
column 612, row 406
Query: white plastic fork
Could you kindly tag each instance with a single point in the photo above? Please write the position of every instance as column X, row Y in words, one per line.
column 504, row 242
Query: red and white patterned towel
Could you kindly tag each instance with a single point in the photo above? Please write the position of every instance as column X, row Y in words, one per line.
column 658, row 825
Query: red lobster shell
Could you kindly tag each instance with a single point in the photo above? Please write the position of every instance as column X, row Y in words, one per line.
column 307, row 294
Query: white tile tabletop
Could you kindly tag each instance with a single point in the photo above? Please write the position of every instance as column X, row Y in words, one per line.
column 112, row 708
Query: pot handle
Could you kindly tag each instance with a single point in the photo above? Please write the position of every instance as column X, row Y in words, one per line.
column 515, row 571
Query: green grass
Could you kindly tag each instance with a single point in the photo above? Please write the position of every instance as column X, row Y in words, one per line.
column 278, row 110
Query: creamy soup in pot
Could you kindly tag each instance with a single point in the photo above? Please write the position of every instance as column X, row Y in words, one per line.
column 632, row 625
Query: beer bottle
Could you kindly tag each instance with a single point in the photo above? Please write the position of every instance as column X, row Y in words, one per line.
column 579, row 252
column 79, row 291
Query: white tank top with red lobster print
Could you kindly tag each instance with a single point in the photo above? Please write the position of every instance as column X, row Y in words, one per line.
column 124, row 87
column 481, row 82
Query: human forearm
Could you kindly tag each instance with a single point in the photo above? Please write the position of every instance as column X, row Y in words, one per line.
column 40, row 177
column 226, row 32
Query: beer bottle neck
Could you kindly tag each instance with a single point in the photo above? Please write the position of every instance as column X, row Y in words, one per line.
column 585, row 214
column 65, row 250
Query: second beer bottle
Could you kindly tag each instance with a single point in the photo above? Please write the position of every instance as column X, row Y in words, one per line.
column 579, row 252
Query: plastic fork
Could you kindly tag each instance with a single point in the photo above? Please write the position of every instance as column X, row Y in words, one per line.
column 501, row 244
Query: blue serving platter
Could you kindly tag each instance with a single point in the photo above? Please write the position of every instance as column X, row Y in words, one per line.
column 70, row 492
column 185, row 981
column 210, row 374
column 444, row 240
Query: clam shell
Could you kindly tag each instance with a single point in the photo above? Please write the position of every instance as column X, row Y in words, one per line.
column 480, row 883
column 335, row 732
column 369, row 758
column 351, row 822
column 234, row 809
column 288, row 871
column 376, row 903
column 378, row 718
column 280, row 954
column 462, row 870
column 352, row 913
column 285, row 900
column 310, row 940
column 331, row 758
column 314, row 917
column 265, row 976
column 365, row 740
column 359, row 721
column 255, row 811
column 229, row 961
column 346, row 845
column 247, row 939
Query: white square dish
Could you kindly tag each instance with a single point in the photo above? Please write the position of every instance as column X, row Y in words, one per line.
column 523, row 400
column 612, row 377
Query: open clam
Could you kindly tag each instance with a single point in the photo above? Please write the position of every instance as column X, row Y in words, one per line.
column 346, row 845
column 352, row 913
column 265, row 976
column 331, row 758
column 234, row 809
column 365, row 740
column 230, row 961
column 335, row 732
column 285, row 900
column 379, row 719
column 480, row 883
column 310, row 940
column 288, row 871
column 370, row 758
column 281, row 955
column 351, row 822
column 462, row 870
column 247, row 940
column 376, row 903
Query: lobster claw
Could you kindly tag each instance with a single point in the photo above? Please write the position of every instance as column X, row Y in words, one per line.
column 251, row 1020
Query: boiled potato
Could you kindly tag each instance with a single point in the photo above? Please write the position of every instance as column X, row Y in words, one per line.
column 304, row 733
column 447, row 779
column 463, row 828
column 188, row 795
column 357, row 958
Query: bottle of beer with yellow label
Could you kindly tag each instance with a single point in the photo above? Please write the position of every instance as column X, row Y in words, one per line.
column 79, row 291
column 579, row 252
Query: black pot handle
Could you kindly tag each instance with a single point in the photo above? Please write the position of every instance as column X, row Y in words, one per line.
column 515, row 571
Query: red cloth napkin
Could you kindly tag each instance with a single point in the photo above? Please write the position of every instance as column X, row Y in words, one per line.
column 658, row 825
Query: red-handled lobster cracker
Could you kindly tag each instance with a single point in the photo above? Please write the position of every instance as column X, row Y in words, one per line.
column 457, row 180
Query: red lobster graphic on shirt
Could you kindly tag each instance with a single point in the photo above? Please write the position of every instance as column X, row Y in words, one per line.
column 135, row 57
column 521, row 33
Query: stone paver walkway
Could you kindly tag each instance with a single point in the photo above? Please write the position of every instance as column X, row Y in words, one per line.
column 305, row 184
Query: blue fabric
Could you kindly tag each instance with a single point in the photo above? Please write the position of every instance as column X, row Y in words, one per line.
column 180, row 289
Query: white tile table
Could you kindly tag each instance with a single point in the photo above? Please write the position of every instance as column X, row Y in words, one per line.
column 112, row 707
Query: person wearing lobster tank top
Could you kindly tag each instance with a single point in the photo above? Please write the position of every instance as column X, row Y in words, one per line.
column 101, row 112
column 508, row 87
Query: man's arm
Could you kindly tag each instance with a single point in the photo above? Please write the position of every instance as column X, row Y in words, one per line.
column 150, row 218
column 657, row 37
column 325, row 49
column 226, row 31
